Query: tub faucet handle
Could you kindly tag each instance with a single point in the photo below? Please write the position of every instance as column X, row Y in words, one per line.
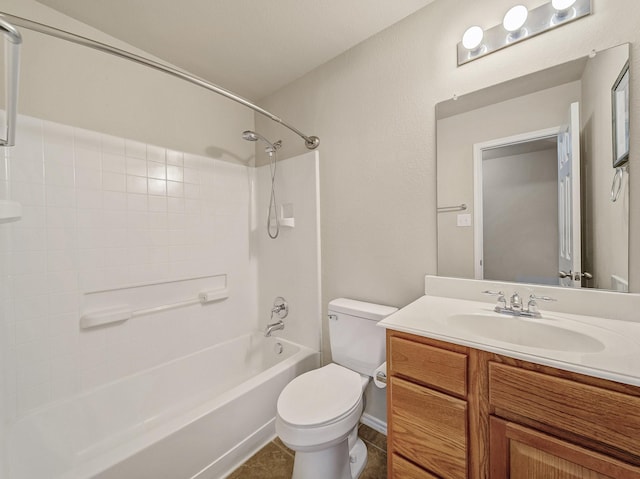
column 280, row 308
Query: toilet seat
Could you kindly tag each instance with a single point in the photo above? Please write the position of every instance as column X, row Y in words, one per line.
column 320, row 397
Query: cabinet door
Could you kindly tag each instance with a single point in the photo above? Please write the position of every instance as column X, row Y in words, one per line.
column 428, row 428
column 521, row 453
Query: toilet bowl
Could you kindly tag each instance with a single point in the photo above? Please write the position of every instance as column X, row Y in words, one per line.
column 318, row 412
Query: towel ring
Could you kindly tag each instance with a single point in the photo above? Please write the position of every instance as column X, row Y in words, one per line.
column 616, row 185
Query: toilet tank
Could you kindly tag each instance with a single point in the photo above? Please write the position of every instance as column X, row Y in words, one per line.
column 357, row 342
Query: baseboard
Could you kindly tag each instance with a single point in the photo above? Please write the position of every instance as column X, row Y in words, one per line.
column 374, row 423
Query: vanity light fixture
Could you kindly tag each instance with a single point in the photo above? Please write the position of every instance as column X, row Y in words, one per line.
column 519, row 23
column 514, row 21
column 472, row 38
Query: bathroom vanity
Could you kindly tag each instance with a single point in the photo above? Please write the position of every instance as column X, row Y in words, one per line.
column 457, row 410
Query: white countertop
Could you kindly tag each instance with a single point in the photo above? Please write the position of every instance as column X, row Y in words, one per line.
column 618, row 360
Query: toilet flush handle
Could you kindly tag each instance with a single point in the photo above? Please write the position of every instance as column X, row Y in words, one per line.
column 381, row 377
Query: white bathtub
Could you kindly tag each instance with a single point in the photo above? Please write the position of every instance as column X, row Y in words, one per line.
column 195, row 417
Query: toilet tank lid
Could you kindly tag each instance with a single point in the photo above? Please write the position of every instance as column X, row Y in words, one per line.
column 361, row 309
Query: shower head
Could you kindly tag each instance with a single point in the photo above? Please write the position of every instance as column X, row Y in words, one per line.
column 253, row 136
column 249, row 135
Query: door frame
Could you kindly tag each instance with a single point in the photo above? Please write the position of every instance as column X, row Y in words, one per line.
column 478, row 148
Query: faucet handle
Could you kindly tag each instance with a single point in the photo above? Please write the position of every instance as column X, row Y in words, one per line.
column 502, row 301
column 493, row 293
column 532, row 305
column 533, row 297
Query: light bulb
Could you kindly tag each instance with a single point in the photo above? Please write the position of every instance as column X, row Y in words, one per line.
column 561, row 5
column 472, row 38
column 515, row 18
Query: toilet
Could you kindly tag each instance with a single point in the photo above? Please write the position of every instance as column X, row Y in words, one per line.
column 319, row 411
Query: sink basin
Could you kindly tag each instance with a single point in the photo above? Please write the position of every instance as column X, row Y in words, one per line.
column 533, row 333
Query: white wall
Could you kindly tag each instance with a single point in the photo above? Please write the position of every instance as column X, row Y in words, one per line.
column 373, row 109
column 75, row 85
column 606, row 222
column 289, row 266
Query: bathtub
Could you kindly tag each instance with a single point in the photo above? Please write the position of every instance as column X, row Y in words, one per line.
column 196, row 417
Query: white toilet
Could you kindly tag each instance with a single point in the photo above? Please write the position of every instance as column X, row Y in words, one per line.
column 319, row 411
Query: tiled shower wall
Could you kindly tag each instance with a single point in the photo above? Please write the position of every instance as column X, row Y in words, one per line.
column 100, row 213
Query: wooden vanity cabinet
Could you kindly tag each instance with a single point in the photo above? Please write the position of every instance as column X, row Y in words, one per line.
column 457, row 412
column 428, row 426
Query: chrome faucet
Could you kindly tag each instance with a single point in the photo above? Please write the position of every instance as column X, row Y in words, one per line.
column 514, row 308
column 281, row 310
column 277, row 326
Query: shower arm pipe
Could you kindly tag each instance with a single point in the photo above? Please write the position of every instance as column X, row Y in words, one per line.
column 12, row 68
column 311, row 142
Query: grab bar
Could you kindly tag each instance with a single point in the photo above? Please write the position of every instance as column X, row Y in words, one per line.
column 124, row 313
column 448, row 209
column 12, row 69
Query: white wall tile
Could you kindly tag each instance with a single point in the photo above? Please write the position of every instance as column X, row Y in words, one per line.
column 62, row 260
column 157, row 170
column 61, row 218
column 115, row 201
column 157, row 204
column 102, row 212
column 175, row 173
column 26, row 286
column 156, row 154
column 136, row 166
column 28, row 262
column 58, row 173
column 114, row 163
column 191, row 176
column 91, row 199
column 114, row 181
column 137, row 185
column 62, row 282
column 28, row 194
column 60, row 196
column 157, row 187
column 135, row 149
column 175, row 158
column 88, row 178
column 61, row 239
column 29, row 239
column 175, row 188
column 58, row 154
column 113, row 145
column 86, row 140
column 175, row 205
column 26, row 170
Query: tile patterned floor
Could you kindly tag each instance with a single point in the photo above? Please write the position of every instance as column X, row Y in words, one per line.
column 275, row 460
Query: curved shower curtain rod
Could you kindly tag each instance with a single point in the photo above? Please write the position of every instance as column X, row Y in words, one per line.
column 311, row 142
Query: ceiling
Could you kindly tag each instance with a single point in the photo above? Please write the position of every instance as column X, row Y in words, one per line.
column 252, row 47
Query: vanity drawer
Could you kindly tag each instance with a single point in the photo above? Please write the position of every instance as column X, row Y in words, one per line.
column 599, row 414
column 403, row 469
column 441, row 369
column 428, row 428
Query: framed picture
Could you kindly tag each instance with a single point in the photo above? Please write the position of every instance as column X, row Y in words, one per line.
column 620, row 105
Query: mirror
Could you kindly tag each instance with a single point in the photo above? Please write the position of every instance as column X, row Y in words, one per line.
column 526, row 187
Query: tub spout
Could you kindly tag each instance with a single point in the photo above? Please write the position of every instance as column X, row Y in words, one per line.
column 273, row 327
